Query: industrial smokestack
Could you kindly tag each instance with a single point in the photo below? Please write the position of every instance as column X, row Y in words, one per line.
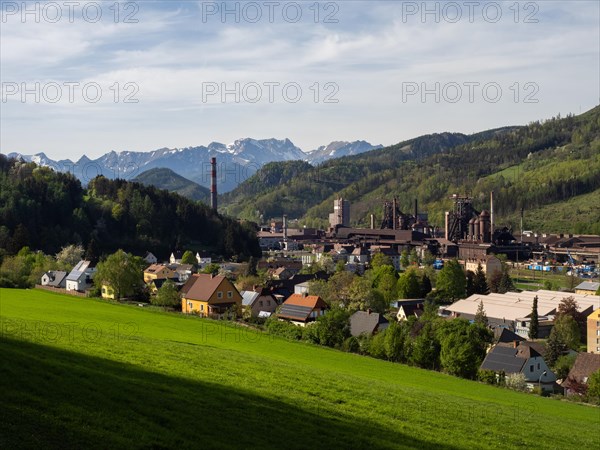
column 491, row 215
column 285, row 227
column 372, row 222
column 213, row 185
column 394, row 214
column 416, row 211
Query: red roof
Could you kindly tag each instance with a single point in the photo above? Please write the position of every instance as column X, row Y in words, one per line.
column 311, row 301
column 201, row 286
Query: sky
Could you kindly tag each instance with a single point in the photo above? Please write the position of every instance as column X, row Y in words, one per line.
column 91, row 77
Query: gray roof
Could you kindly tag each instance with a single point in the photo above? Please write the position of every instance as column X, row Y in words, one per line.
column 249, row 297
column 589, row 286
column 78, row 270
column 507, row 358
column 56, row 277
column 502, row 358
column 298, row 312
column 366, row 322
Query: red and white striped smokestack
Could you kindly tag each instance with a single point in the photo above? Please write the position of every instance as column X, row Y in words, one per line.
column 213, row 185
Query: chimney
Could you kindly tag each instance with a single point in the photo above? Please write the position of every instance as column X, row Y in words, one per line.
column 416, row 211
column 369, row 311
column 372, row 222
column 491, row 215
column 285, row 227
column 213, row 185
column 515, row 344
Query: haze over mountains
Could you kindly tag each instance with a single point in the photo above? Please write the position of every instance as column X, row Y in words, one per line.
column 236, row 162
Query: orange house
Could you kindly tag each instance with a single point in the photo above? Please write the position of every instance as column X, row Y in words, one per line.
column 209, row 296
column 301, row 309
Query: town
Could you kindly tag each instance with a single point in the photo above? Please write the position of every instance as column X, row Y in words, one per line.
column 389, row 290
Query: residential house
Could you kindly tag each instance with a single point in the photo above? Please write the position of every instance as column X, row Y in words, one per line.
column 54, row 278
column 80, row 278
column 489, row 264
column 282, row 289
column 515, row 357
column 583, row 368
column 106, row 291
column 302, row 288
column 359, row 255
column 209, row 296
column 258, row 300
column 587, row 287
column 281, row 273
column 389, row 252
column 302, row 309
column 159, row 271
column 367, row 322
column 203, row 260
column 176, row 257
column 593, row 332
column 183, row 271
column 150, row 258
column 409, row 307
column 156, row 284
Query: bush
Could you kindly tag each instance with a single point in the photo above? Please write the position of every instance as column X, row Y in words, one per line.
column 284, row 329
column 351, row 345
column 563, row 366
column 487, row 376
column 516, row 381
column 376, row 345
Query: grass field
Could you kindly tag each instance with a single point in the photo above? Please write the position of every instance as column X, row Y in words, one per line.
column 81, row 373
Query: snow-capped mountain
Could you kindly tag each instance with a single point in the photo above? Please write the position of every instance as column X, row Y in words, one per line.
column 337, row 149
column 235, row 162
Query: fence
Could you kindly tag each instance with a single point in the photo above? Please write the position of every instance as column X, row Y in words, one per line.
column 62, row 291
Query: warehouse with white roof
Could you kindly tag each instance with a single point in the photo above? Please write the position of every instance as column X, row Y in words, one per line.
column 513, row 309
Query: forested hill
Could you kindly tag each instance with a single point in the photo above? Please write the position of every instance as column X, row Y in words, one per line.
column 542, row 167
column 163, row 178
column 294, row 187
column 46, row 210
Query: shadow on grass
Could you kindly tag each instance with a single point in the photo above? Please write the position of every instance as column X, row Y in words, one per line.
column 51, row 398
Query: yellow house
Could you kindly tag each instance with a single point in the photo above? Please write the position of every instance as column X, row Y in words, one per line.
column 158, row 271
column 107, row 291
column 593, row 332
column 209, row 296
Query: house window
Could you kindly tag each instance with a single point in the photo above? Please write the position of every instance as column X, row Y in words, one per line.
column 269, row 304
column 538, row 366
column 229, row 294
column 219, row 294
column 598, row 333
column 103, row 290
column 201, row 307
column 531, row 368
column 598, row 324
column 260, row 303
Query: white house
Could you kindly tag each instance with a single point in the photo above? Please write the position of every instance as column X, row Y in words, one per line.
column 80, row 278
column 517, row 357
column 176, row 257
column 54, row 278
column 203, row 260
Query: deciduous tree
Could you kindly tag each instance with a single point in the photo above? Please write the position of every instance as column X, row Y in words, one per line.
column 122, row 272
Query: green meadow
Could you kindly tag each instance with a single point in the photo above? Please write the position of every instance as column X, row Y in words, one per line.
column 83, row 373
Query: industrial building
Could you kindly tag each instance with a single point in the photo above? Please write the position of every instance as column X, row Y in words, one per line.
column 513, row 309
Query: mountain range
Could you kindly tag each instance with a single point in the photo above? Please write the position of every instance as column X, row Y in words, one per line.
column 236, row 162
